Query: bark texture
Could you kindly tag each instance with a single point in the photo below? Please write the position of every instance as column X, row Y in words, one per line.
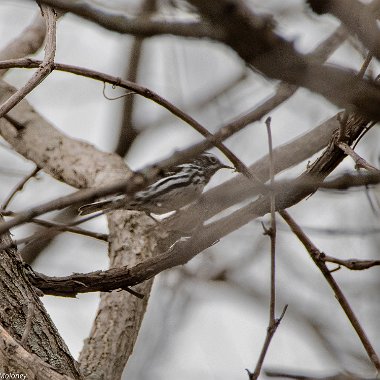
column 16, row 296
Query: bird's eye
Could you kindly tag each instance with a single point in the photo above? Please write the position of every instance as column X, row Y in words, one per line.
column 213, row 160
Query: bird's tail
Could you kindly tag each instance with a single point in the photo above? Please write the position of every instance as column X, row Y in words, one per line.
column 94, row 207
column 115, row 203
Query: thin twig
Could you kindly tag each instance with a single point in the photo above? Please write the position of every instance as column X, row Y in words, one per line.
column 300, row 376
column 353, row 264
column 128, row 132
column 19, row 187
column 273, row 230
column 365, row 65
column 273, row 322
column 359, row 161
column 270, row 333
column 371, row 125
column 62, row 227
column 317, row 257
column 119, row 22
column 344, row 118
column 47, row 233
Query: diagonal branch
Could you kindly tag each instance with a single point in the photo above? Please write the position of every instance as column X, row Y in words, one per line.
column 14, row 356
column 315, row 254
column 120, row 23
column 360, row 19
column 18, row 188
column 206, row 236
column 253, row 38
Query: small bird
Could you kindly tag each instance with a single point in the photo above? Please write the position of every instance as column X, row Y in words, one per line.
column 179, row 186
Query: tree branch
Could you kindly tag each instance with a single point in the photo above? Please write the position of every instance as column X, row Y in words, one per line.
column 143, row 91
column 205, row 236
column 18, row 298
column 315, row 255
column 253, row 38
column 360, row 19
column 120, row 23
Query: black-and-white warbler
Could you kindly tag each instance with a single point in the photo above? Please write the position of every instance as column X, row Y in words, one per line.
column 178, row 186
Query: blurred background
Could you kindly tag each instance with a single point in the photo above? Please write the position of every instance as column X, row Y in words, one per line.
column 208, row 318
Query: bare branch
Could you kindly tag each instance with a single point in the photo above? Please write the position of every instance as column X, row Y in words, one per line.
column 273, row 322
column 146, row 93
column 315, row 254
column 299, row 376
column 128, row 133
column 272, row 328
column 55, row 228
column 360, row 19
column 19, row 187
column 253, row 38
column 359, row 161
column 120, row 23
column 353, row 264
column 205, row 236
column 273, row 231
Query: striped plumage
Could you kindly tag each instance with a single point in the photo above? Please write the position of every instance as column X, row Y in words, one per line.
column 179, row 186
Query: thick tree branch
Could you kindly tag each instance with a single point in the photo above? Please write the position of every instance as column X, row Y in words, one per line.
column 15, row 358
column 360, row 19
column 240, row 188
column 254, row 40
column 121, row 23
column 205, row 236
column 18, row 297
column 352, row 264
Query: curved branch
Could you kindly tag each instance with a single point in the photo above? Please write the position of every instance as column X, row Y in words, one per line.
column 360, row 19
column 141, row 90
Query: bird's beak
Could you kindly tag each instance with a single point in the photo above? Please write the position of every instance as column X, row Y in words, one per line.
column 228, row 167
